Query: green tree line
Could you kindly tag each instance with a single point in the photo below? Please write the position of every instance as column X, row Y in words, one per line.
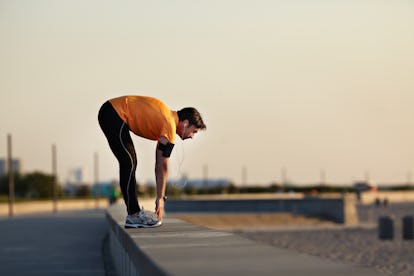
column 30, row 185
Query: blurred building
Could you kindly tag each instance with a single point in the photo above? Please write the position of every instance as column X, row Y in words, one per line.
column 201, row 183
column 4, row 168
column 77, row 183
column 79, row 176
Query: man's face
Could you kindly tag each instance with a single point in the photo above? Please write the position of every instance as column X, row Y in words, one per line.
column 189, row 132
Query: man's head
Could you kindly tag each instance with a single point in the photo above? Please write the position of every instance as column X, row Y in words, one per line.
column 190, row 122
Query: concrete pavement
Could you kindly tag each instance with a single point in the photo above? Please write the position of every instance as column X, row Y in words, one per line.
column 66, row 243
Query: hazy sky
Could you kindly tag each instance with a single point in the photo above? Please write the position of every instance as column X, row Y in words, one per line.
column 301, row 85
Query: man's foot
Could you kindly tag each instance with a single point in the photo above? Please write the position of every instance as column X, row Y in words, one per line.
column 144, row 219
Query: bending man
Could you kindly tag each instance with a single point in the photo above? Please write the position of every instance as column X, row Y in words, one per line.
column 148, row 118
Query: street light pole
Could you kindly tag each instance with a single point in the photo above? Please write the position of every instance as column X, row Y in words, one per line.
column 11, row 174
column 54, row 184
column 96, row 180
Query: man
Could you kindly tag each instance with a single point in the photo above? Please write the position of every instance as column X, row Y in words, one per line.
column 148, row 118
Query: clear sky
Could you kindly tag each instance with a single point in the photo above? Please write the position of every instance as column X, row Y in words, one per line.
column 300, row 85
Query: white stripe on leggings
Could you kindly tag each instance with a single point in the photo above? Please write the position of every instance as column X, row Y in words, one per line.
column 132, row 163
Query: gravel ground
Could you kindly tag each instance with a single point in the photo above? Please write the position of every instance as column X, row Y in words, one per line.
column 355, row 246
column 359, row 245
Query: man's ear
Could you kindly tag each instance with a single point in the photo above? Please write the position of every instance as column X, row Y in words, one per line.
column 185, row 123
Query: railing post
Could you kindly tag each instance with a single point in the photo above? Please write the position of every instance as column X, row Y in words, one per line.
column 385, row 228
column 408, row 227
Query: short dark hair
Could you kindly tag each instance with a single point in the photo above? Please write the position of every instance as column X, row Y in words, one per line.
column 193, row 116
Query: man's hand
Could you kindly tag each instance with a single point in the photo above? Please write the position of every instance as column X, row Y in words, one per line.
column 159, row 208
column 161, row 173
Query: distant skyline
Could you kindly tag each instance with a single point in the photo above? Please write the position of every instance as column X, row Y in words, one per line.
column 287, row 88
column 4, row 166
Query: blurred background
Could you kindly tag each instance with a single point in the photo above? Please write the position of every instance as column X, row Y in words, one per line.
column 292, row 92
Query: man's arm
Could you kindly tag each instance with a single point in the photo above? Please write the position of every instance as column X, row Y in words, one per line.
column 161, row 173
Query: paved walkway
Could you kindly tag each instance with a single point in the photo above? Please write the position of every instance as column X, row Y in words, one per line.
column 66, row 243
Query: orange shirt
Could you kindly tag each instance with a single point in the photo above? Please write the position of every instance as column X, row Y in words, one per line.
column 147, row 117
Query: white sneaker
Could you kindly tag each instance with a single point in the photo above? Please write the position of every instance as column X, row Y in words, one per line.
column 144, row 219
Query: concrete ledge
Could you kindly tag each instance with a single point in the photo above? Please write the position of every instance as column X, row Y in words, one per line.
column 127, row 257
column 180, row 248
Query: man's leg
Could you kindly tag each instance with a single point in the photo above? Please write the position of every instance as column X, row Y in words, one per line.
column 120, row 142
column 127, row 166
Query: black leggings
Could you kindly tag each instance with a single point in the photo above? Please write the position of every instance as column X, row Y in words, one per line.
column 120, row 142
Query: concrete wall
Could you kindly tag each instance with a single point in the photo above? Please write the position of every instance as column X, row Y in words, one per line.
column 393, row 197
column 340, row 210
column 31, row 207
column 127, row 257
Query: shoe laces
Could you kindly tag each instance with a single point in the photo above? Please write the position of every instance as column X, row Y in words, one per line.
column 148, row 215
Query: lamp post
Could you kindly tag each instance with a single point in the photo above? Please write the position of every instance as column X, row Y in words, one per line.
column 54, row 184
column 96, row 180
column 11, row 174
